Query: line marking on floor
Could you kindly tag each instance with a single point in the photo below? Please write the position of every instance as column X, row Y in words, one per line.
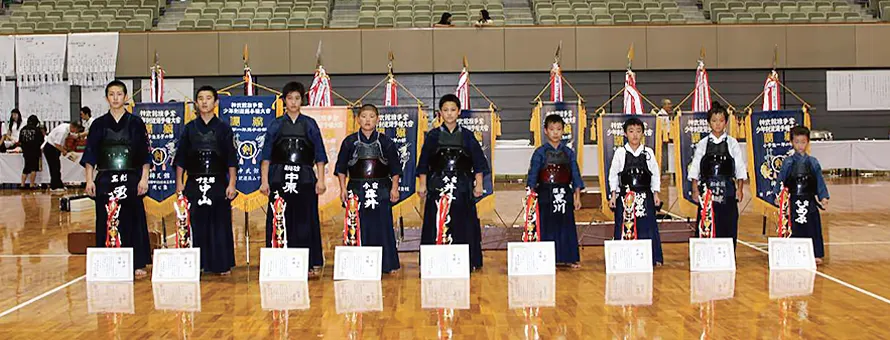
column 36, row 298
column 38, row 255
column 829, row 277
column 855, row 243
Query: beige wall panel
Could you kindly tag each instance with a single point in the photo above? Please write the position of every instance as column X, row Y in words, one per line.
column 532, row 49
column 484, row 49
column 678, row 47
column 132, row 55
column 268, row 51
column 872, row 48
column 605, row 48
column 821, row 46
column 341, row 51
column 750, row 46
column 186, row 53
column 413, row 50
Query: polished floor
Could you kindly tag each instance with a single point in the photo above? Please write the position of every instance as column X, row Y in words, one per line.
column 43, row 294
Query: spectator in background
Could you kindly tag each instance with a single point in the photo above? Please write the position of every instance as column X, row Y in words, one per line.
column 445, row 21
column 665, row 114
column 484, row 20
column 31, row 138
column 11, row 138
column 54, row 149
column 86, row 118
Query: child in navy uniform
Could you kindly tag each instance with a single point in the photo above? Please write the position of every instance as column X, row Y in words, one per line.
column 635, row 169
column 802, row 175
column 554, row 176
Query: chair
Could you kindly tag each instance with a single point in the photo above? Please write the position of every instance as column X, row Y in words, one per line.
column 259, row 24
column 385, row 22
column 278, row 24
column 223, row 25
column 98, row 26
column 62, row 26
column 316, row 22
column 204, row 24
column 186, row 25
column 241, row 24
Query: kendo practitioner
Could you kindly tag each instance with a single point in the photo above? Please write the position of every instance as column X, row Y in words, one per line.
column 802, row 175
column 556, row 179
column 293, row 147
column 206, row 153
column 452, row 166
column 635, row 169
column 719, row 166
column 118, row 150
column 371, row 162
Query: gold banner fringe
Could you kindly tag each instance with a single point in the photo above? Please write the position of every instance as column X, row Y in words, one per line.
column 159, row 209
column 250, row 202
column 535, row 125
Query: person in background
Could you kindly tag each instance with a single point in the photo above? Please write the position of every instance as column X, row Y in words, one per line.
column 11, row 138
column 30, row 139
column 445, row 21
column 86, row 119
column 54, row 149
column 664, row 115
column 484, row 20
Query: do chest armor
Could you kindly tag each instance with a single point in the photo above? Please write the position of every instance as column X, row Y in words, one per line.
column 717, row 161
column 205, row 157
column 116, row 152
column 450, row 155
column 635, row 175
column 292, row 147
column 556, row 169
column 801, row 182
column 367, row 160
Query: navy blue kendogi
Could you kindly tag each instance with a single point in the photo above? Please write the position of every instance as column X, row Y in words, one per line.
column 802, row 175
column 206, row 151
column 554, row 175
column 370, row 163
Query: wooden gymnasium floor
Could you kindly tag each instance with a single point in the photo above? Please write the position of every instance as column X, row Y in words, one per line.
column 43, row 294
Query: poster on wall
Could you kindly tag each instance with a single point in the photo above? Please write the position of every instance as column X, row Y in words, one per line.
column 50, row 102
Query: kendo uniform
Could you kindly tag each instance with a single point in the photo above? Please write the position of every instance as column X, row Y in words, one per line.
column 370, row 164
column 637, row 171
column 206, row 151
column 717, row 163
column 450, row 159
column 554, row 176
column 293, row 147
column 802, row 175
column 119, row 150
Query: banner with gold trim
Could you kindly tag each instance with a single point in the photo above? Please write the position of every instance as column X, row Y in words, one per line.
column 769, row 143
column 164, row 123
column 248, row 116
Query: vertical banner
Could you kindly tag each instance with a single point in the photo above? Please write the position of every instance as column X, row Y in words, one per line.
column 611, row 137
column 486, row 126
column 689, row 129
column 769, row 142
column 405, row 125
column 335, row 124
column 248, row 117
column 164, row 123
column 573, row 114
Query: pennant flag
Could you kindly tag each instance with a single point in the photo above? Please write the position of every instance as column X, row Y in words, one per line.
column 632, row 100
column 771, row 92
column 156, row 84
column 248, row 79
column 320, row 91
column 556, row 83
column 701, row 101
column 392, row 92
column 248, row 82
column 463, row 89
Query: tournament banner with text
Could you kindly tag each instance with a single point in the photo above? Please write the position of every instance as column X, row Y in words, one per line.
column 769, row 142
column 611, row 137
column 406, row 126
column 574, row 114
column 248, row 116
column 689, row 129
column 164, row 123
column 335, row 123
